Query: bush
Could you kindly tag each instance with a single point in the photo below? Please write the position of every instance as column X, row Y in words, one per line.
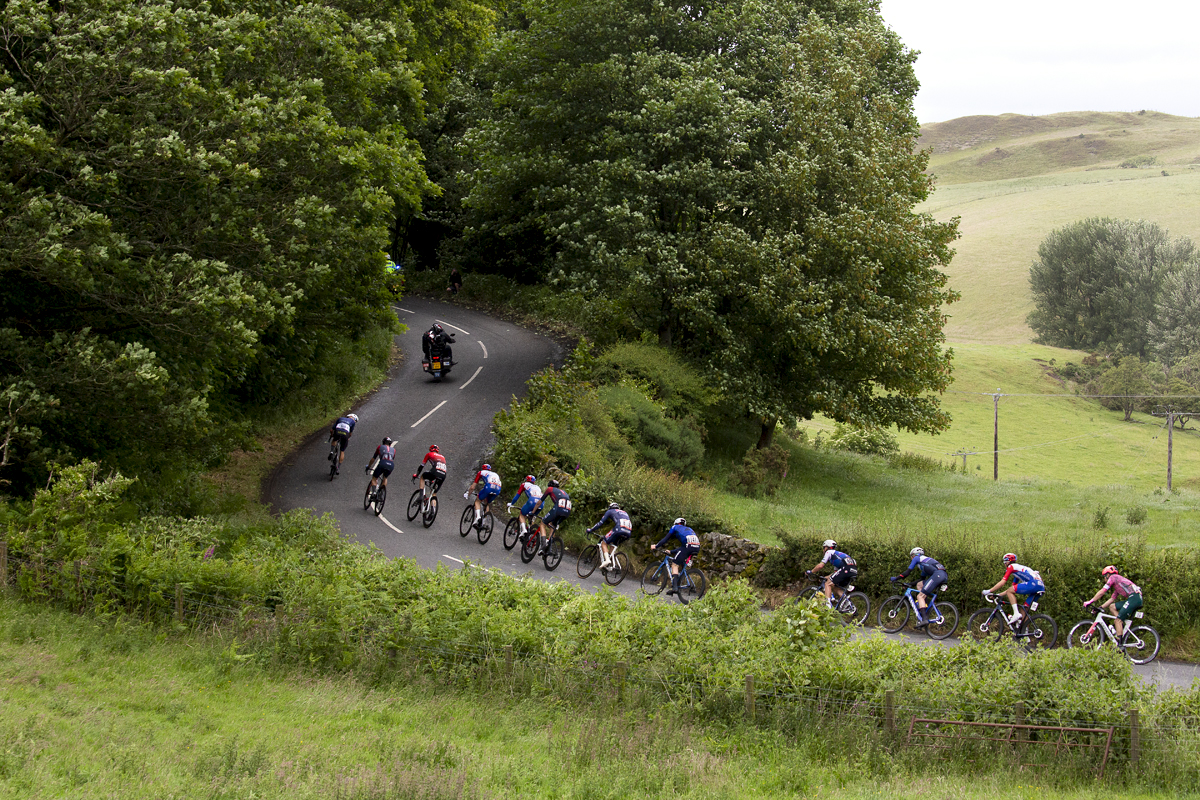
column 1135, row 515
column 668, row 380
column 918, row 463
column 865, row 441
column 761, row 471
column 660, row 442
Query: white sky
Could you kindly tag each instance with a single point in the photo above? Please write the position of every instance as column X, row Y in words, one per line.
column 1046, row 57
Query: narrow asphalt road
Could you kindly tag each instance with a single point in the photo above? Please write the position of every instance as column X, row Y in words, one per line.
column 493, row 360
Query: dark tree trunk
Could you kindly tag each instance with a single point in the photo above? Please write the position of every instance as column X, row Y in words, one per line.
column 664, row 333
column 766, row 434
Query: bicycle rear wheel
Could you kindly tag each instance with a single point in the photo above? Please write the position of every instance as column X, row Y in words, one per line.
column 1141, row 645
column 893, row 614
column 529, row 547
column 695, row 586
column 554, row 553
column 414, row 505
column 512, row 532
column 948, row 612
column 468, row 519
column 987, row 625
column 655, row 578
column 430, row 514
column 367, row 497
column 855, row 607
column 380, row 499
column 335, row 453
column 614, row 575
column 1040, row 632
column 589, row 559
column 484, row 531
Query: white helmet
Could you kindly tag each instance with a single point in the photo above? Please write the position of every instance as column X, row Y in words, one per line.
column 353, row 417
column 916, row 551
column 829, row 544
column 679, row 521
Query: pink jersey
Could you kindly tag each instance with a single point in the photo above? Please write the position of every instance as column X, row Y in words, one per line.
column 1122, row 587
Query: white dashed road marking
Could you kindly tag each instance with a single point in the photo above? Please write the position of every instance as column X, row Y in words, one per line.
column 427, row 416
column 465, row 385
column 481, row 344
column 460, row 330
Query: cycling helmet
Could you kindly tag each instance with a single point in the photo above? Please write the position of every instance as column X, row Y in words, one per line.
column 530, row 479
column 486, row 466
column 353, row 417
column 387, row 440
column 1109, row 570
column 614, row 505
column 829, row 544
column 1009, row 558
column 433, row 448
column 679, row 521
column 916, row 551
column 553, row 484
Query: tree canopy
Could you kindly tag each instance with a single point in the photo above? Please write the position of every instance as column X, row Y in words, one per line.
column 741, row 177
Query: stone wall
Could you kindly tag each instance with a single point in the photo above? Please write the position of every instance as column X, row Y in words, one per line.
column 720, row 556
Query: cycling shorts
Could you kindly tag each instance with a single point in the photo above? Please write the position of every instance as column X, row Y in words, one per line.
column 487, row 495
column 434, row 477
column 842, row 577
column 382, row 469
column 615, row 537
column 1130, row 604
column 556, row 516
column 1033, row 590
column 527, row 509
column 681, row 555
column 933, row 584
column 342, row 437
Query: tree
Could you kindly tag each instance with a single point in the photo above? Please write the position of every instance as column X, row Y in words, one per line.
column 1174, row 332
column 741, row 178
column 1096, row 283
column 1125, row 386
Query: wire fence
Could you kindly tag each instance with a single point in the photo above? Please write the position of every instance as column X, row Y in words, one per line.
column 1135, row 745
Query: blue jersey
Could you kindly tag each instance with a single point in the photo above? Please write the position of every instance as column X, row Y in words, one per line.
column 927, row 565
column 687, row 537
column 344, row 425
column 838, row 559
column 619, row 519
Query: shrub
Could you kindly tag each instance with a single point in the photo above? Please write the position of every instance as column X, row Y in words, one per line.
column 1135, row 515
column 863, row 440
column 659, row 441
column 676, row 385
column 918, row 463
column 761, row 471
column 1100, row 519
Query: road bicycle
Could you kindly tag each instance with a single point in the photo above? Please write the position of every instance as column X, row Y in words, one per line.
column 512, row 531
column 1035, row 632
column 895, row 611
column 467, row 522
column 1139, row 643
column 854, row 607
column 589, row 559
column 551, row 554
column 335, row 452
column 693, row 583
column 375, row 497
column 424, row 502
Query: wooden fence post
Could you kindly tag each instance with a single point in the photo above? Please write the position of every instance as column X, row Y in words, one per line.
column 1135, row 739
column 750, row 698
column 1019, row 715
column 889, row 711
column 622, row 669
column 3, row 562
column 179, row 602
column 508, row 661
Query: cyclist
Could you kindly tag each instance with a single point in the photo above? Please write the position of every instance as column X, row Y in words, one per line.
column 1024, row 581
column 621, row 530
column 533, row 493
column 342, row 430
column 845, row 569
column 489, row 492
column 933, row 575
column 1123, row 589
column 434, row 465
column 560, row 510
column 436, row 337
column 382, row 463
column 689, row 545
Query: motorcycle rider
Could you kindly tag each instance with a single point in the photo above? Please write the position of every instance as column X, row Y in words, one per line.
column 436, row 339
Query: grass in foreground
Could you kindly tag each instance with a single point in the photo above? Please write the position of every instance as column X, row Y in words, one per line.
column 114, row 709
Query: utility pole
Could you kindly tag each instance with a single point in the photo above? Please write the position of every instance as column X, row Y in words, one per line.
column 995, row 435
column 1170, row 438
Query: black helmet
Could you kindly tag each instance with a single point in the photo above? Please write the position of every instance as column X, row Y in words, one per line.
column 437, row 328
column 552, row 483
column 387, row 440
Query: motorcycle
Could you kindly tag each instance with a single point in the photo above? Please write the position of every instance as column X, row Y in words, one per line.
column 439, row 361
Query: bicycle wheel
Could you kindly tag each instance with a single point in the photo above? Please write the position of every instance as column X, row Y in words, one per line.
column 655, row 578
column 1141, row 644
column 367, row 497
column 484, row 531
column 553, row 555
column 512, row 532
column 614, row 575
column 431, row 513
column 987, row 625
column 468, row 519
column 809, row 593
column 694, row 586
column 335, row 452
column 949, row 624
column 1040, row 632
column 893, row 614
column 414, row 505
column 854, row 608
column 529, row 547
column 1079, row 636
column 589, row 559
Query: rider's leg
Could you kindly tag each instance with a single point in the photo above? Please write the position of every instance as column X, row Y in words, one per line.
column 524, row 524
column 828, row 588
column 1118, row 623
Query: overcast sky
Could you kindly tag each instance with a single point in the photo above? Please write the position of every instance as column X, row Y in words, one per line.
column 1045, row 57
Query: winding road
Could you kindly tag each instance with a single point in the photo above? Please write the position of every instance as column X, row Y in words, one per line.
column 494, row 359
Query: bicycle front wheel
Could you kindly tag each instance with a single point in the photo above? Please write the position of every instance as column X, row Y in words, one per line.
column 1141, row 645
column 553, row 555
column 468, row 519
column 512, row 532
column 1079, row 635
column 484, row 532
column 855, row 608
column 367, row 497
column 1041, row 632
column 987, row 625
column 589, row 559
column 809, row 593
column 655, row 578
column 414, row 505
column 380, row 499
column 430, row 513
column 694, row 585
column 948, row 614
column 893, row 614
column 615, row 574
column 335, row 453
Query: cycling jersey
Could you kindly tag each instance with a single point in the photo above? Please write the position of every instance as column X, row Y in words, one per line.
column 344, row 426
column 838, row 559
column 531, row 490
column 622, row 526
column 1121, row 586
column 386, row 455
column 489, row 478
column 928, row 566
column 559, row 502
column 1026, row 580
column 687, row 537
column 435, row 463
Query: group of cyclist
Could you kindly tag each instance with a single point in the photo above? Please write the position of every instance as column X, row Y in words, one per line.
column 1018, row 580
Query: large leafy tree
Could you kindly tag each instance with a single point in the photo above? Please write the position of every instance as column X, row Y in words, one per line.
column 1174, row 332
column 1096, row 282
column 193, row 201
column 742, row 177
